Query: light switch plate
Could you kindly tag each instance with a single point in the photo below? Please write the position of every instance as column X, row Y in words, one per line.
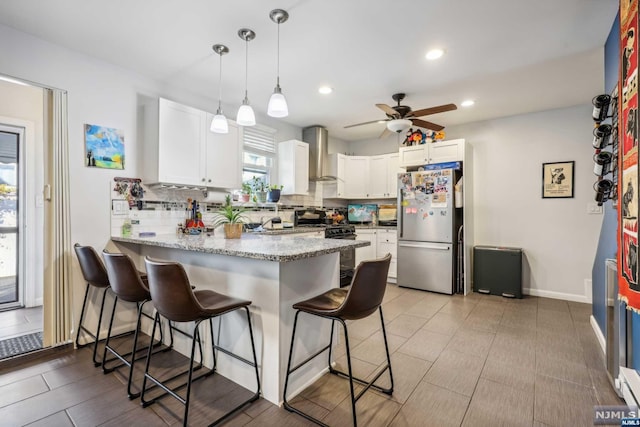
column 120, row 207
column 594, row 209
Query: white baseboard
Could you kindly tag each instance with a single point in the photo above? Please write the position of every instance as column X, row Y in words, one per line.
column 556, row 295
column 599, row 334
column 306, row 384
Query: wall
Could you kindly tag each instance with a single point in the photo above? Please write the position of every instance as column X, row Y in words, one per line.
column 607, row 244
column 557, row 235
column 98, row 93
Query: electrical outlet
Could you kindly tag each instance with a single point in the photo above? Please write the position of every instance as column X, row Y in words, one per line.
column 594, row 209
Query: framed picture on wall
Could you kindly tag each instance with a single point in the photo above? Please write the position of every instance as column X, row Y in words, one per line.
column 557, row 180
column 104, row 147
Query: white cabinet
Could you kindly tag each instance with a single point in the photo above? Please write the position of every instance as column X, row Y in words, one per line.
column 181, row 130
column 446, row 151
column 436, row 152
column 387, row 242
column 180, row 149
column 223, row 168
column 383, row 172
column 414, row 156
column 356, row 177
column 368, row 252
column 293, row 167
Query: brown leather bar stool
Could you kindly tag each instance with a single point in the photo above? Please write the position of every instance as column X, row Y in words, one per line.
column 176, row 301
column 359, row 301
column 127, row 285
column 96, row 276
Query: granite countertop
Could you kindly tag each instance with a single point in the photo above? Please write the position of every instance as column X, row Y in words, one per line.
column 252, row 245
column 290, row 230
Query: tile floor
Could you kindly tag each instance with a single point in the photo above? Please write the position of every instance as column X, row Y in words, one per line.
column 21, row 321
column 457, row 361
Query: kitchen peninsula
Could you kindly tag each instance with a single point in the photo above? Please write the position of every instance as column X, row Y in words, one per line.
column 274, row 272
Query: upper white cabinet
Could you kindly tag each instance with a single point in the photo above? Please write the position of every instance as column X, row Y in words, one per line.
column 180, row 149
column 437, row 152
column 223, row 167
column 364, row 177
column 356, row 182
column 383, row 170
column 293, row 167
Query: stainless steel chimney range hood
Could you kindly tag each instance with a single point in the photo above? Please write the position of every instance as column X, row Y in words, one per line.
column 319, row 165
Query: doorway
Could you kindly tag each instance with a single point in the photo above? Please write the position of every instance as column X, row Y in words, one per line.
column 11, row 219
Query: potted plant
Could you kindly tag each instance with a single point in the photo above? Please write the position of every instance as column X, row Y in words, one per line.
column 274, row 193
column 246, row 192
column 259, row 189
column 231, row 218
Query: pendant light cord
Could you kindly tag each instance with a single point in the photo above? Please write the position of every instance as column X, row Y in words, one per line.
column 220, row 86
column 278, row 60
column 246, row 74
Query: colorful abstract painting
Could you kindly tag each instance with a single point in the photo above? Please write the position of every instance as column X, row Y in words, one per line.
column 104, row 147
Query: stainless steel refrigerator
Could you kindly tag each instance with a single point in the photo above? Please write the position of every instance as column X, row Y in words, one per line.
column 426, row 220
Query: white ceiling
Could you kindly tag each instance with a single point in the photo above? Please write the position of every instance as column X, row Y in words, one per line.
column 511, row 56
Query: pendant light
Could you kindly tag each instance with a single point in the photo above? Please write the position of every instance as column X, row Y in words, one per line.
column 278, row 103
column 219, row 123
column 246, row 117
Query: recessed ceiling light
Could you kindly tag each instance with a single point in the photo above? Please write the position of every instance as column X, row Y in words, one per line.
column 325, row 90
column 467, row 103
column 435, row 54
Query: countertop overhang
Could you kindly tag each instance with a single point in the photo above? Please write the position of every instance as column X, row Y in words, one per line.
column 252, row 245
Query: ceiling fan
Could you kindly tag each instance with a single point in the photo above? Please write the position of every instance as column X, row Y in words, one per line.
column 401, row 117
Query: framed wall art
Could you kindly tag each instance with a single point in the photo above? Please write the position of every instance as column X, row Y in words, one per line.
column 104, row 147
column 557, row 180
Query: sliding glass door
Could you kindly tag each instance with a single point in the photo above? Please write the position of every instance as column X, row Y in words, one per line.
column 11, row 289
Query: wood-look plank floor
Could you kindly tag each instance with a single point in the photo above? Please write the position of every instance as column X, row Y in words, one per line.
column 457, row 361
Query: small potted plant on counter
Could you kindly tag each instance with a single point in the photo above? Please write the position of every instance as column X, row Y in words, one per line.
column 274, row 193
column 231, row 218
column 260, row 187
column 246, row 192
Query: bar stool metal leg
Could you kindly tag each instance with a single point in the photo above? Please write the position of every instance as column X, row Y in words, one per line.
column 82, row 328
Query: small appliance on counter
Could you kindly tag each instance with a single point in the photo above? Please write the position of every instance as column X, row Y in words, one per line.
column 309, row 217
column 388, row 215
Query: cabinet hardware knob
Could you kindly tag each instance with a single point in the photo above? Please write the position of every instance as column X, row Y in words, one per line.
column 209, row 180
column 203, row 179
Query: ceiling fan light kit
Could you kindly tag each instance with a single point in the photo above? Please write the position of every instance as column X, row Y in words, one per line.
column 219, row 123
column 278, row 103
column 246, row 116
column 399, row 125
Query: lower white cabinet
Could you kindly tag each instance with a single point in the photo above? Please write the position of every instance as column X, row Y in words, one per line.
column 368, row 252
column 387, row 242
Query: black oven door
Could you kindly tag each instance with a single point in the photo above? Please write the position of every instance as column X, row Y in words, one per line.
column 347, row 261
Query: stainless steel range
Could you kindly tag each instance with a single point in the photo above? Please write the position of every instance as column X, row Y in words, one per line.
column 318, row 218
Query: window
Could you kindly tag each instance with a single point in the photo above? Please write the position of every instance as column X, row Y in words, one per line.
column 259, row 153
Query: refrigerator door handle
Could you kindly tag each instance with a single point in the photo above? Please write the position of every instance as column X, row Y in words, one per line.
column 423, row 246
column 399, row 211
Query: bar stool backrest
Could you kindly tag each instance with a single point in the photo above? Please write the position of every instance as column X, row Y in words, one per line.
column 91, row 266
column 367, row 289
column 171, row 291
column 124, row 278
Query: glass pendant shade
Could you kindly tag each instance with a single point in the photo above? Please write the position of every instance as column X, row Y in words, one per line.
column 277, row 104
column 246, row 117
column 219, row 123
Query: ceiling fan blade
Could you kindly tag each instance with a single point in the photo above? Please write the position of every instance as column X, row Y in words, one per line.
column 364, row 123
column 426, row 124
column 386, row 132
column 388, row 110
column 434, row 110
